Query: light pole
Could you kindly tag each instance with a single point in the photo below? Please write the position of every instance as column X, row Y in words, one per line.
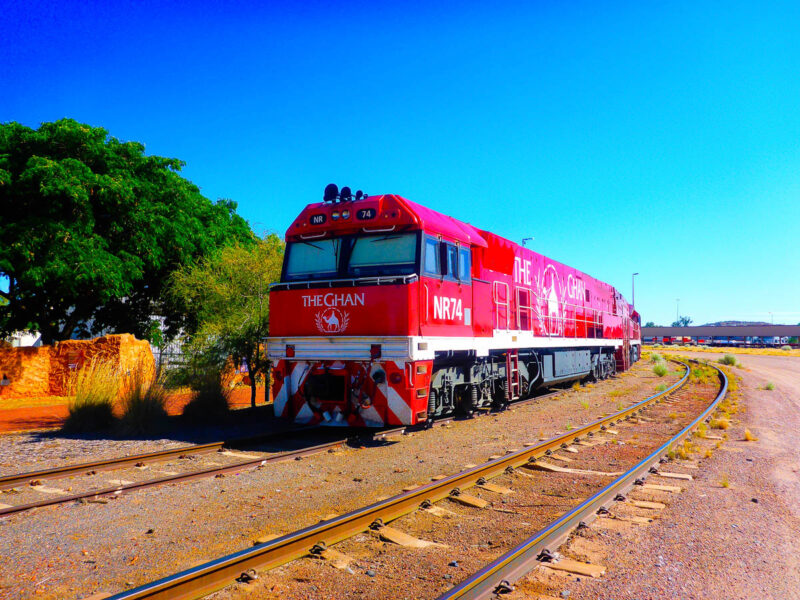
column 771, row 318
column 677, row 309
column 633, row 291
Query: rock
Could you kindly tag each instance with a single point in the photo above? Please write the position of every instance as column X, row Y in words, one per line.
column 447, row 576
column 565, row 594
column 755, row 500
column 370, row 573
column 150, row 531
column 452, row 563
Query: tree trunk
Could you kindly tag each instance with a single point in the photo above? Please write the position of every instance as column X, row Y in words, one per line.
column 267, row 381
column 252, row 375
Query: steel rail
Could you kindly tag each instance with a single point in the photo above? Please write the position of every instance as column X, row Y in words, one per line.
column 517, row 562
column 192, row 475
column 9, row 481
column 214, row 575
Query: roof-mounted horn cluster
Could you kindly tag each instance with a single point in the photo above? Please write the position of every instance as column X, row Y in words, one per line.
column 332, row 194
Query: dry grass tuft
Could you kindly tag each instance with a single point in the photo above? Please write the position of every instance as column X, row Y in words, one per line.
column 144, row 403
column 660, row 369
column 95, row 388
column 770, row 386
column 725, row 482
column 709, row 453
column 720, row 423
column 749, row 437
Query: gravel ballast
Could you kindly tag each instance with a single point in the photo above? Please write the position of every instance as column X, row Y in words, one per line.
column 74, row 550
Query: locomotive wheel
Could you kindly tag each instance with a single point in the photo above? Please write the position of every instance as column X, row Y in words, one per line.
column 470, row 404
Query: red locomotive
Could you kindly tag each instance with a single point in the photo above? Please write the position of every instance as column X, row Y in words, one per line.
column 390, row 313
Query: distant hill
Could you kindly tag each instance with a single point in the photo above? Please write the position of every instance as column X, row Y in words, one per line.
column 735, row 323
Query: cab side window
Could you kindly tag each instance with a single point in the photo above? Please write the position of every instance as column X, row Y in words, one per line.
column 464, row 269
column 432, row 257
column 452, row 261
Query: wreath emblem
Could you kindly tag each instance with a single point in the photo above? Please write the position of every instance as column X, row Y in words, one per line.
column 332, row 320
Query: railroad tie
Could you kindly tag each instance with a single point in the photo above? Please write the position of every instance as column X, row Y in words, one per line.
column 336, row 559
column 684, row 476
column 48, row 490
column 662, row 488
column 647, row 504
column 497, row 489
column 440, row 512
column 577, row 568
column 395, row 536
column 468, row 500
column 543, row 466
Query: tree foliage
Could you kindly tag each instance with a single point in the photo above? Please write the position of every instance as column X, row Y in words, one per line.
column 682, row 322
column 229, row 294
column 650, row 324
column 91, row 228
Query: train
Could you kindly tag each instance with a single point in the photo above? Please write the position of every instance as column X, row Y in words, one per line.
column 390, row 313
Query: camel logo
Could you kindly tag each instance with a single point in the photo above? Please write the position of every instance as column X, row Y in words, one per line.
column 332, row 320
column 553, row 323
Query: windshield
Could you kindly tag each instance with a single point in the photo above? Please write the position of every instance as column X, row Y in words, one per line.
column 310, row 260
column 363, row 256
column 383, row 254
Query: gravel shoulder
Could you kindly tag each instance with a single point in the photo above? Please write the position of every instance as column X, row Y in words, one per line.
column 713, row 541
column 75, row 550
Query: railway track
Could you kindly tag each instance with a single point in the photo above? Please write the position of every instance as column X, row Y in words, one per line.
column 209, row 577
column 35, row 479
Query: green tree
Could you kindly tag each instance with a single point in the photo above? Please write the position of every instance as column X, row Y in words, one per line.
column 682, row 322
column 650, row 324
column 229, row 294
column 91, row 227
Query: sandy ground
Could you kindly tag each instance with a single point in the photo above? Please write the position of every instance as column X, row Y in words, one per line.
column 74, row 550
column 712, row 541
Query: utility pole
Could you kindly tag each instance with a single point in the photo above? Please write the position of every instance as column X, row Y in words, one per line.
column 677, row 309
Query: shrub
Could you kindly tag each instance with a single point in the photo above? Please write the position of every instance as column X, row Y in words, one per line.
column 211, row 399
column 728, row 359
column 661, row 387
column 787, row 348
column 144, row 403
column 655, row 357
column 660, row 369
column 724, row 482
column 770, row 386
column 95, row 387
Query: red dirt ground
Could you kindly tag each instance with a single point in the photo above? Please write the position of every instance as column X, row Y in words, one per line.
column 53, row 416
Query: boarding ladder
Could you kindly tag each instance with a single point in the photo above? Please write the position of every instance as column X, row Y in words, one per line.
column 623, row 353
column 512, row 375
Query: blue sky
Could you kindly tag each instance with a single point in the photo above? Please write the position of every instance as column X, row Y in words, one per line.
column 625, row 137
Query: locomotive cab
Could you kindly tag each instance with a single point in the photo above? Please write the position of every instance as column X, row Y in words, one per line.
column 361, row 280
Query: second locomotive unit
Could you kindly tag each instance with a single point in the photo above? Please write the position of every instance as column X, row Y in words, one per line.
column 390, row 313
